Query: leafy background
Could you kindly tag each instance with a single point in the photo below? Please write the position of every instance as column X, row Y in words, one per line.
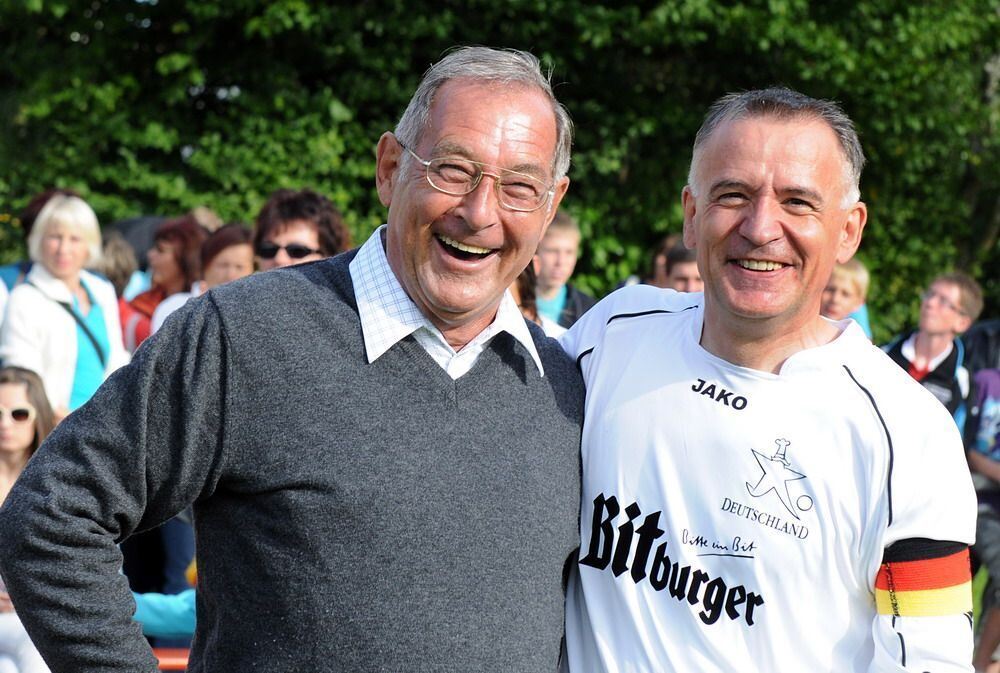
column 154, row 107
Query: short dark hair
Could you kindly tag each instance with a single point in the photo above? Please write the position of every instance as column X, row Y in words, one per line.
column 224, row 237
column 187, row 236
column 680, row 255
column 288, row 205
column 45, row 419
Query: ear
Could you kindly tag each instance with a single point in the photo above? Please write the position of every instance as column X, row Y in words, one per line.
column 850, row 234
column 387, row 155
column 962, row 324
column 688, row 202
column 558, row 192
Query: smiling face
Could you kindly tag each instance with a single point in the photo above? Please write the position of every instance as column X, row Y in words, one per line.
column 769, row 222
column 456, row 255
column 64, row 252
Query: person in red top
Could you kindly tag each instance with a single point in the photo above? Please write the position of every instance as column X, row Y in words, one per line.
column 174, row 265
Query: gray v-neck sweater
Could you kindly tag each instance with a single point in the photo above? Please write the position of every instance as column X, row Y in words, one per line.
column 349, row 516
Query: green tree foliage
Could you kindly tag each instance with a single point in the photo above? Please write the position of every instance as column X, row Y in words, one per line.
column 150, row 106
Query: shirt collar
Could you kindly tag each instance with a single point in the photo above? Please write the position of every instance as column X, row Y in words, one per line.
column 388, row 315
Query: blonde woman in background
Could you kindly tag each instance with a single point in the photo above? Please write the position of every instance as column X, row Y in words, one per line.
column 62, row 322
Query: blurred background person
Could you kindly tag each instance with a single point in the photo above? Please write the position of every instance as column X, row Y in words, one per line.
column 62, row 322
column 523, row 292
column 671, row 266
column 14, row 274
column 118, row 264
column 681, row 271
column 298, row 226
column 25, row 420
column 174, row 266
column 933, row 354
column 556, row 298
column 227, row 254
column 845, row 294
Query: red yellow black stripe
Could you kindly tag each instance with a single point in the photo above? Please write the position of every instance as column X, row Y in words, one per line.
column 925, row 587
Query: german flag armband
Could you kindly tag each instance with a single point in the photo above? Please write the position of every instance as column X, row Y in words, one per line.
column 924, row 578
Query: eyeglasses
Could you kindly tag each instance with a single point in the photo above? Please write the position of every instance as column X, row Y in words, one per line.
column 458, row 176
column 268, row 250
column 18, row 414
column 941, row 299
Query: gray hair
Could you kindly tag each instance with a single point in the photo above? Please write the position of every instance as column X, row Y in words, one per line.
column 785, row 104
column 495, row 66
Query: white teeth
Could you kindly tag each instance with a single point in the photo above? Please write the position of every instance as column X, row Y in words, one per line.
column 462, row 246
column 759, row 265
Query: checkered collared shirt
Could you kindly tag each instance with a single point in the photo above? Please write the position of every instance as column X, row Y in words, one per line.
column 388, row 315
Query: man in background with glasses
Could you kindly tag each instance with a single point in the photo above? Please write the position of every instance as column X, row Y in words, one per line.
column 933, row 354
column 383, row 455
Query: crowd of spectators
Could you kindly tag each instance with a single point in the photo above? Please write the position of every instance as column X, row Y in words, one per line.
column 76, row 310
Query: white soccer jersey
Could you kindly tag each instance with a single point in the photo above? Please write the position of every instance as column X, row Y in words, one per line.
column 737, row 520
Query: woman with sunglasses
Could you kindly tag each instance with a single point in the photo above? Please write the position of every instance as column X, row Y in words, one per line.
column 25, row 420
column 296, row 227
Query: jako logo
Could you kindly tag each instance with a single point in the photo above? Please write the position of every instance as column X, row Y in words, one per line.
column 720, row 394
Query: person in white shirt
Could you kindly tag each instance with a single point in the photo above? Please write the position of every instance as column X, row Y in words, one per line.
column 763, row 489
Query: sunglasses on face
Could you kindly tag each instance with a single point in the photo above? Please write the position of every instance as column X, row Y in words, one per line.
column 18, row 414
column 268, row 250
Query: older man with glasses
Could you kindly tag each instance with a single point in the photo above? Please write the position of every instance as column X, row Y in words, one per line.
column 393, row 487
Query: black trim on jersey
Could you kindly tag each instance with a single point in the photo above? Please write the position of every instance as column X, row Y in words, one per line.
column 920, row 549
column 968, row 615
column 590, row 350
column 902, row 646
column 888, row 437
column 650, row 312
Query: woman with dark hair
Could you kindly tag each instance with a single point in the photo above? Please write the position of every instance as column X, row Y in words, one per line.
column 174, row 266
column 296, row 227
column 26, row 418
column 225, row 255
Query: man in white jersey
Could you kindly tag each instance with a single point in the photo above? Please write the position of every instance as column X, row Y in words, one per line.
column 764, row 490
